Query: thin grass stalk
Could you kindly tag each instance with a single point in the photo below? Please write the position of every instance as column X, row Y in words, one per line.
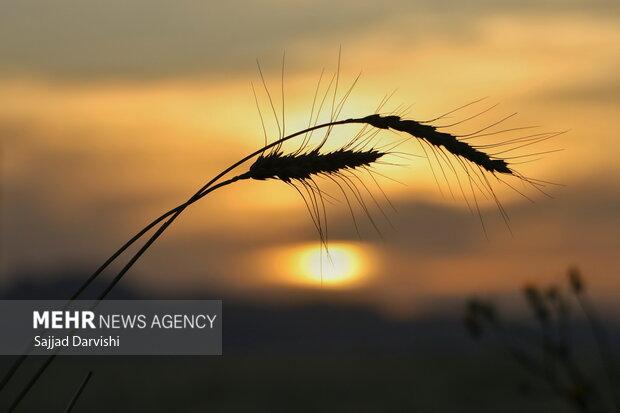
column 173, row 214
column 604, row 349
column 116, row 279
column 78, row 393
column 413, row 128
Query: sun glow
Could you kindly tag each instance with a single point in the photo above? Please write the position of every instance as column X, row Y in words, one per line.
column 345, row 265
column 338, row 266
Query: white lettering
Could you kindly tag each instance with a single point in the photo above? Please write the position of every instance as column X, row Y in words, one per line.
column 40, row 319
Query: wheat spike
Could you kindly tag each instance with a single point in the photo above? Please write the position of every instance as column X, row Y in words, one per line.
column 302, row 166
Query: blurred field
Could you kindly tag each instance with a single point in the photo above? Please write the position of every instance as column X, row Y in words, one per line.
column 345, row 383
column 317, row 357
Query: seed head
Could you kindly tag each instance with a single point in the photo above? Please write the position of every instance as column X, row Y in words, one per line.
column 440, row 139
column 303, row 166
column 575, row 280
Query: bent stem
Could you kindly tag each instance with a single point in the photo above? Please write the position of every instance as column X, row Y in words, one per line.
column 171, row 215
column 118, row 277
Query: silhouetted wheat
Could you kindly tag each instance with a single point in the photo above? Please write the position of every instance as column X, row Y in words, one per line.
column 440, row 139
column 299, row 168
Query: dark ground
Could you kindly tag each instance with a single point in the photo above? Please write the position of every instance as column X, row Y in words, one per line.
column 310, row 358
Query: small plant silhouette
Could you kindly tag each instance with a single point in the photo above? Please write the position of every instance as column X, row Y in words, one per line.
column 548, row 353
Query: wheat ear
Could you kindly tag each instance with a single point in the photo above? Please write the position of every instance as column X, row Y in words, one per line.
column 285, row 168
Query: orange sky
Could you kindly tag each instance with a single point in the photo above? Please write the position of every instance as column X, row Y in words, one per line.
column 98, row 141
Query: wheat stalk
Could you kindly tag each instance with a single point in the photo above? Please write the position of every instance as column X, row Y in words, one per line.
column 302, row 167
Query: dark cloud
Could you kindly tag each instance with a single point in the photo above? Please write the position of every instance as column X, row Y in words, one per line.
column 145, row 38
column 52, row 218
column 584, row 216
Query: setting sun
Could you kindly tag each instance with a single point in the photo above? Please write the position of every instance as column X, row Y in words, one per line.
column 341, row 266
column 308, row 265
